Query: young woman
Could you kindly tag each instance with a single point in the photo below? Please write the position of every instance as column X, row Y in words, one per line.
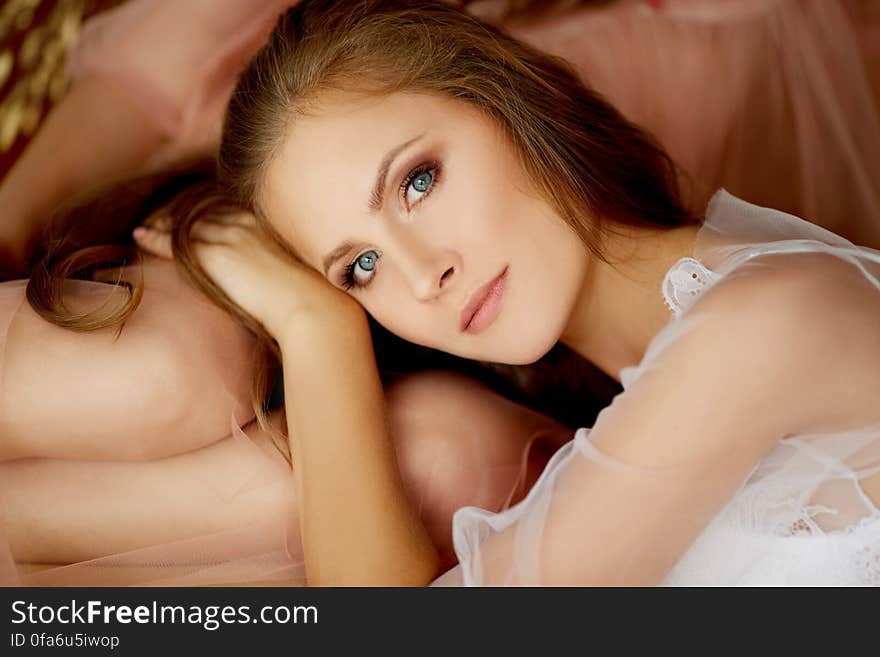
column 130, row 454
column 767, row 98
column 117, row 464
column 82, row 472
column 472, row 195
column 128, row 449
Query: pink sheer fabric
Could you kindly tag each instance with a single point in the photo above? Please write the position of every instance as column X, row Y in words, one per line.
column 220, row 515
column 11, row 297
column 605, row 512
column 179, row 60
column 221, row 507
column 766, row 98
column 716, row 80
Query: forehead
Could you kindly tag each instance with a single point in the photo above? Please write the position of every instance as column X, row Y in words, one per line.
column 326, row 166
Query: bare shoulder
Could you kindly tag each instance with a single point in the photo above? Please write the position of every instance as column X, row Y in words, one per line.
column 780, row 346
column 802, row 330
column 806, row 294
column 172, row 303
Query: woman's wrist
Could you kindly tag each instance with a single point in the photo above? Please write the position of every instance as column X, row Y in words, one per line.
column 334, row 321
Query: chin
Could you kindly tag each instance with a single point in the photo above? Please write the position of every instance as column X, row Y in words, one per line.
column 521, row 356
column 521, row 347
column 508, row 343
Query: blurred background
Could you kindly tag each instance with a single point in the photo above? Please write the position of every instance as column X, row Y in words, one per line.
column 35, row 37
column 711, row 94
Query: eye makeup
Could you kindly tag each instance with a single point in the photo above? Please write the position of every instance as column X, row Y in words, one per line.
column 349, row 277
column 432, row 166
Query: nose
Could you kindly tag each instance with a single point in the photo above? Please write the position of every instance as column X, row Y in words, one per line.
column 428, row 270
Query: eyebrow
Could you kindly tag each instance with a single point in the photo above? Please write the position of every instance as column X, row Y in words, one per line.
column 378, row 193
column 336, row 254
column 377, row 196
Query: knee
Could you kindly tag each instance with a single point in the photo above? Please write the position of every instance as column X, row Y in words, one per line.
column 442, row 454
column 460, row 444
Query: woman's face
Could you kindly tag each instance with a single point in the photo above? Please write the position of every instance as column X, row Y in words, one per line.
column 418, row 206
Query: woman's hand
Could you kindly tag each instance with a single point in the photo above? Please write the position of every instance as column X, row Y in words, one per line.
column 348, row 482
column 264, row 281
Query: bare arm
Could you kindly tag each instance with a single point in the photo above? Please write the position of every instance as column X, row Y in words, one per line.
column 357, row 524
column 757, row 359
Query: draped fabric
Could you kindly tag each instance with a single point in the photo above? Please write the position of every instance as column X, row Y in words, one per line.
column 766, row 98
column 805, row 514
column 97, row 505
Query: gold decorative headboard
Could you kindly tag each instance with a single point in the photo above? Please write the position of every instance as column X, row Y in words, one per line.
column 36, row 36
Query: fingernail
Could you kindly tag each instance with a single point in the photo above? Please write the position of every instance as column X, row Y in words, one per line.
column 140, row 231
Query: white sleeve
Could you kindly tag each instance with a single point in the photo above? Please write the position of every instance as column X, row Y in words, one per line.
column 718, row 389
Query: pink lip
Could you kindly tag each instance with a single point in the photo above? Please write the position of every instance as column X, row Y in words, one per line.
column 484, row 305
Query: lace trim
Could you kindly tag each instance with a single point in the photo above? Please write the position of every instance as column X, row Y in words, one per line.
column 684, row 282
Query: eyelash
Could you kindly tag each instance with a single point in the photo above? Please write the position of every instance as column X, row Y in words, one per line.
column 348, row 280
column 433, row 167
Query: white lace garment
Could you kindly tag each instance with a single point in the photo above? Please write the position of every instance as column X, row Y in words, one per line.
column 796, row 513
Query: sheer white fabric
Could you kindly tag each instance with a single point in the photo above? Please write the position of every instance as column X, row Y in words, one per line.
column 804, row 515
column 793, row 90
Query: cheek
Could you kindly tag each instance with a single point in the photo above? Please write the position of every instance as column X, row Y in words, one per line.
column 482, row 208
column 406, row 327
column 386, row 303
column 405, row 319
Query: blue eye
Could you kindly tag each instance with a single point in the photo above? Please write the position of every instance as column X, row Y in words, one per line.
column 353, row 276
column 420, row 180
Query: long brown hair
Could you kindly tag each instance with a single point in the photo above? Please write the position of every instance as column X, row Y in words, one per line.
column 594, row 167
column 589, row 162
column 92, row 234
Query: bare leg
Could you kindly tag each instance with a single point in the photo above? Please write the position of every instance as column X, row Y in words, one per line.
column 63, row 511
column 457, row 442
column 460, row 444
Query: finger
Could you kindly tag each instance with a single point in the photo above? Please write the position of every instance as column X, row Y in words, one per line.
column 211, row 232
column 246, row 219
column 154, row 241
column 160, row 221
column 239, row 218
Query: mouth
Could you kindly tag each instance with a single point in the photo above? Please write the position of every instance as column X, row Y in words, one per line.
column 484, row 305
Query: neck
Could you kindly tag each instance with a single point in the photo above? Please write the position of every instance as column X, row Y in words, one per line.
column 620, row 306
